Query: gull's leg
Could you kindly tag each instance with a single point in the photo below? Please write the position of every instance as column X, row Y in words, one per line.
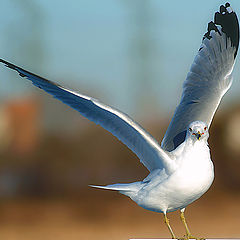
column 166, row 220
column 188, row 234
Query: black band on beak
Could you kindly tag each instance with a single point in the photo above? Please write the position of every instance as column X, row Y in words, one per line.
column 198, row 135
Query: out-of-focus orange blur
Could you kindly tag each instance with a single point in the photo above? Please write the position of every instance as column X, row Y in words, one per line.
column 44, row 177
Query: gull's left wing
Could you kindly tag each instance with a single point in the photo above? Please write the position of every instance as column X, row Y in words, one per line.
column 116, row 122
column 209, row 78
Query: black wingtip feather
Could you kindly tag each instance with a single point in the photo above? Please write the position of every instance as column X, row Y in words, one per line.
column 7, row 64
column 228, row 21
column 23, row 73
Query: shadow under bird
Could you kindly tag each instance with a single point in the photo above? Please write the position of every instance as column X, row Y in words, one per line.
column 180, row 169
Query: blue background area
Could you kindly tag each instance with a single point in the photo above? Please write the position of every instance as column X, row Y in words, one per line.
column 103, row 48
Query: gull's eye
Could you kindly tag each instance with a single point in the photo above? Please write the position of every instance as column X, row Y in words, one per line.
column 205, row 128
column 190, row 129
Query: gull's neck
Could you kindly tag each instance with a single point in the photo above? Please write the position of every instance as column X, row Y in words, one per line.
column 192, row 143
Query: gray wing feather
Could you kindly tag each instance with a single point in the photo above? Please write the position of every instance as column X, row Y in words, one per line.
column 116, row 122
column 208, row 80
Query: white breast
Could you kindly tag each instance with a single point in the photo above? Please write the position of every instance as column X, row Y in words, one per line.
column 192, row 178
column 195, row 173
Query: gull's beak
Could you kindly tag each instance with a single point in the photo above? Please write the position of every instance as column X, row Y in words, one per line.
column 198, row 135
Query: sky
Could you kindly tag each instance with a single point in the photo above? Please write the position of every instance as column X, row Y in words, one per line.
column 133, row 55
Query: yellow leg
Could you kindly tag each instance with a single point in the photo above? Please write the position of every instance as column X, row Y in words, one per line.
column 166, row 220
column 189, row 235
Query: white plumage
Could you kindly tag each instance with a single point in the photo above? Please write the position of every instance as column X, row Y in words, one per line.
column 191, row 176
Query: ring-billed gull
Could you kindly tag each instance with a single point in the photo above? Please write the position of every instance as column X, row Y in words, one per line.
column 181, row 169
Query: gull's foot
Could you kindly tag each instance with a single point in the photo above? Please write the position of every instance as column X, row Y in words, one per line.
column 190, row 236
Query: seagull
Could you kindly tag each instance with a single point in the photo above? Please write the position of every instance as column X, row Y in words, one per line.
column 181, row 169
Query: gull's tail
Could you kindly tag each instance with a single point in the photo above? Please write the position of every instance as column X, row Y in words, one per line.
column 129, row 189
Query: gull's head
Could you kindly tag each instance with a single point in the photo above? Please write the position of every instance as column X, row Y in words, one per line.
column 198, row 131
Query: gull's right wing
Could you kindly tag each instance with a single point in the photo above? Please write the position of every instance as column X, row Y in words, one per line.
column 119, row 124
column 209, row 77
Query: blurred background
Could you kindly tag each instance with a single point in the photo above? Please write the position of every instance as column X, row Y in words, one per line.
column 132, row 55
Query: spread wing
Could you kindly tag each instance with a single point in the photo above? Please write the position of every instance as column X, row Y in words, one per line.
column 116, row 122
column 209, row 77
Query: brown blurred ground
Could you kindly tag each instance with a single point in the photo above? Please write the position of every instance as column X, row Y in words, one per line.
column 111, row 216
column 44, row 177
